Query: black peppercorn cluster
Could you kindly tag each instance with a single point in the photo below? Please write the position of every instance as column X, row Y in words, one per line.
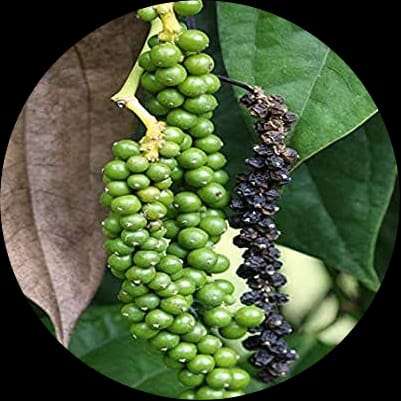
column 255, row 203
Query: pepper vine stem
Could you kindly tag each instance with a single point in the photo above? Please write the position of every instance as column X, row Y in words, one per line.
column 235, row 82
column 171, row 26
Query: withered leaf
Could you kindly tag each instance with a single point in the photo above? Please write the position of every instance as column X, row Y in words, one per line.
column 51, row 177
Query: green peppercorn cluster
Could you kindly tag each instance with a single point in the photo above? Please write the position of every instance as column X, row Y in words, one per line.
column 167, row 215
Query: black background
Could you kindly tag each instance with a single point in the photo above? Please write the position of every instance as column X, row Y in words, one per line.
column 35, row 34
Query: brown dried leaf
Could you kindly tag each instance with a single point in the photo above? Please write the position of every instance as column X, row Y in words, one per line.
column 51, row 176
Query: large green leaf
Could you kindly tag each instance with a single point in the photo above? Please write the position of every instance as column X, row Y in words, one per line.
column 335, row 205
column 388, row 233
column 263, row 49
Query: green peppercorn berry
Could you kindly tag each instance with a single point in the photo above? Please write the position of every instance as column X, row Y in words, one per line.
column 214, row 225
column 168, row 292
column 171, row 76
column 188, row 8
column 219, row 378
column 199, row 177
column 134, row 238
column 173, row 134
column 105, row 199
column 183, row 352
column 199, row 64
column 155, row 107
column 142, row 331
column 153, row 41
column 177, row 174
column 209, row 345
column 233, row 394
column 135, row 290
column 186, row 143
column 116, row 170
column 125, row 148
column 154, row 225
column 146, row 259
column 201, row 364
column 185, row 220
column 147, row 302
column 158, row 319
column 202, row 128
column 217, row 317
column 233, row 331
column 118, row 247
column 117, row 274
column 225, row 285
column 160, row 233
column 198, row 332
column 117, row 188
column 106, row 179
column 212, row 193
column 193, row 40
column 145, row 62
column 198, row 277
column 213, row 83
column 154, row 244
column 210, row 212
column 175, row 305
column 249, row 316
column 112, row 223
column 192, row 158
column 169, row 149
column 221, row 177
column 165, row 340
column 170, row 98
column 171, row 363
column 210, row 295
column 183, row 324
column 139, row 275
column 119, row 263
column 165, row 55
column 187, row 378
column 226, row 357
column 177, row 276
column 209, row 144
column 158, row 172
column 181, row 118
column 187, row 202
column 109, row 234
column 164, row 184
column 187, row 395
column 202, row 258
column 132, row 313
column 154, row 210
column 222, row 264
column 193, row 86
column 170, row 264
column 137, row 164
column 147, row 14
column 175, row 249
column 239, row 379
column 170, row 162
column 201, row 104
column 192, row 238
column 138, row 181
column 150, row 83
column 216, row 161
column 149, row 194
column 160, row 282
column 133, row 222
column 208, row 393
column 172, row 229
column 124, row 297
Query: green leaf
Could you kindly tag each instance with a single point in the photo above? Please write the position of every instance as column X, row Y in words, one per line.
column 263, row 49
column 388, row 233
column 102, row 341
column 335, row 205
